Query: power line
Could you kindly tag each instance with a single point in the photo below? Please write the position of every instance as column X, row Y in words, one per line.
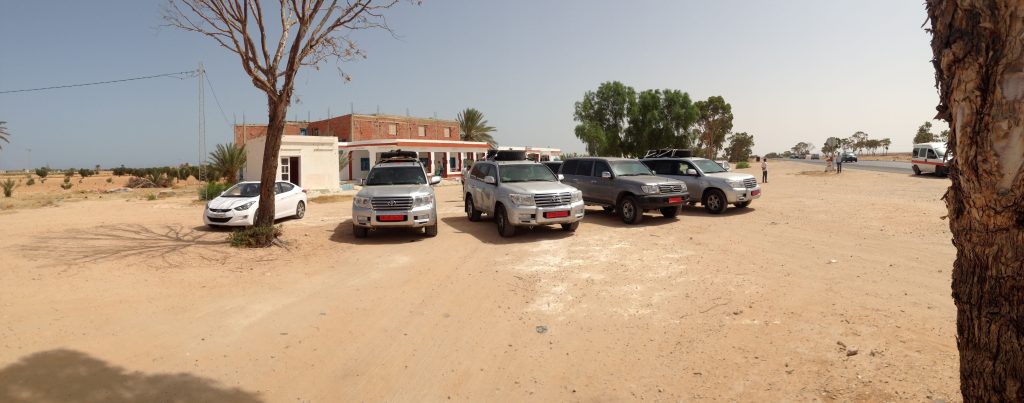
column 222, row 114
column 188, row 74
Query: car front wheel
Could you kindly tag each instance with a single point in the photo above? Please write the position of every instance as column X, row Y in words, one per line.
column 505, row 227
column 571, row 227
column 631, row 213
column 714, row 201
column 360, row 232
column 670, row 212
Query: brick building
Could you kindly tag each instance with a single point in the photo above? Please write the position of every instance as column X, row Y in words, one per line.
column 248, row 132
column 354, row 127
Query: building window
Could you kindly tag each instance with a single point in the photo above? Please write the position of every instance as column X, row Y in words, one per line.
column 447, row 132
column 316, row 131
column 364, row 164
column 453, row 163
column 393, row 129
column 302, row 131
column 422, row 131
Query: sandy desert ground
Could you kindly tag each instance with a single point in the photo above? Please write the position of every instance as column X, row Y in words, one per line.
column 830, row 287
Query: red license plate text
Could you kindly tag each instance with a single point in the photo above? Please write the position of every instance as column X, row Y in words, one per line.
column 675, row 199
column 390, row 218
column 556, row 214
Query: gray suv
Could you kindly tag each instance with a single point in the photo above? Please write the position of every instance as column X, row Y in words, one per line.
column 625, row 185
column 520, row 193
column 395, row 194
column 709, row 183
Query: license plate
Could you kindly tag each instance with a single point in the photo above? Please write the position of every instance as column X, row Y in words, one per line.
column 556, row 214
column 390, row 218
column 215, row 215
column 675, row 199
column 755, row 192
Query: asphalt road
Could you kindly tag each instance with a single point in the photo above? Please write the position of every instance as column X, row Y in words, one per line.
column 882, row 166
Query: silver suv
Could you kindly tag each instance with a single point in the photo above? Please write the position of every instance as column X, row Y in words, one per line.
column 625, row 185
column 520, row 193
column 709, row 183
column 395, row 194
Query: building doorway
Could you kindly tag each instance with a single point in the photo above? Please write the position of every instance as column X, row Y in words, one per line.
column 290, row 170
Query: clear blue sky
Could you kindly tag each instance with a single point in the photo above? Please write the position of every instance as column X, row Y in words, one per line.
column 792, row 70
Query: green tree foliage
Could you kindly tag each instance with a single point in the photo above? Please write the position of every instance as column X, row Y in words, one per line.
column 924, row 134
column 85, row 173
column 802, row 148
column 226, row 161
column 603, row 117
column 885, row 143
column 42, row 172
column 740, row 145
column 832, row 146
column 943, row 136
column 857, row 141
column 615, row 120
column 67, row 182
column 4, row 134
column 714, row 123
column 474, row 127
column 659, row 119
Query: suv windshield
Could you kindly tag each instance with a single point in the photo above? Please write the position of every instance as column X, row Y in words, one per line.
column 526, row 173
column 243, row 190
column 382, row 176
column 708, row 166
column 629, row 168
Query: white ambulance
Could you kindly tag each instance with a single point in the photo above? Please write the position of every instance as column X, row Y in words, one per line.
column 930, row 158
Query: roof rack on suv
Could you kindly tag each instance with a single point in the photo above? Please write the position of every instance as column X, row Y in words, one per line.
column 669, row 153
column 399, row 156
column 506, row 155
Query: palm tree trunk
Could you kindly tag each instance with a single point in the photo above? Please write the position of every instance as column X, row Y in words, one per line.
column 979, row 62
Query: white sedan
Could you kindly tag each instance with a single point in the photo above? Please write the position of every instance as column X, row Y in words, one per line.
column 237, row 205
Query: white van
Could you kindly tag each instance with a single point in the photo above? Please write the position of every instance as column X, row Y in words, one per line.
column 930, row 158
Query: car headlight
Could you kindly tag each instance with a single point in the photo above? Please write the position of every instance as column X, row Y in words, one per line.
column 577, row 196
column 362, row 202
column 245, row 206
column 521, row 199
column 649, row 189
column 736, row 183
column 424, row 200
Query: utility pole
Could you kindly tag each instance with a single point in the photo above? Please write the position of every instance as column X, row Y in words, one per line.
column 202, row 121
column 29, row 159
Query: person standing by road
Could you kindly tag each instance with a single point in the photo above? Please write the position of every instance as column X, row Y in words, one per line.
column 839, row 165
column 764, row 170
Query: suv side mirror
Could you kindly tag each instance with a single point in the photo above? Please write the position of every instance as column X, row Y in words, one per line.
column 691, row 172
column 435, row 180
column 489, row 180
column 606, row 174
column 561, row 177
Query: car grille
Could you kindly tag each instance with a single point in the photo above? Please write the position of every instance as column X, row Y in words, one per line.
column 670, row 188
column 750, row 183
column 552, row 199
column 391, row 203
column 218, row 219
column 220, row 210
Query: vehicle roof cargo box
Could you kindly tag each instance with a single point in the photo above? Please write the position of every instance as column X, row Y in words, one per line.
column 399, row 155
column 669, row 153
column 506, row 155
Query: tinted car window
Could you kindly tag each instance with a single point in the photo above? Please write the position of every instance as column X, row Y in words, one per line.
column 932, row 155
column 660, row 167
column 277, row 188
column 286, row 187
column 488, row 170
column 477, row 171
column 601, row 166
column 569, row 167
column 585, row 167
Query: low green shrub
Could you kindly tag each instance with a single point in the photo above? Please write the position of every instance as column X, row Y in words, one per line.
column 254, row 237
column 212, row 190
column 742, row 164
column 151, row 196
column 110, row 180
column 67, row 183
column 30, row 182
column 8, row 186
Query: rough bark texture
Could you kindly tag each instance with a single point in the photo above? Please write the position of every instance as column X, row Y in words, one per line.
column 979, row 62
column 277, row 110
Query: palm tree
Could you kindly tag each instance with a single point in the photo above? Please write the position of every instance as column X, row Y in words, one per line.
column 227, row 160
column 474, row 127
column 885, row 143
column 4, row 135
column 977, row 53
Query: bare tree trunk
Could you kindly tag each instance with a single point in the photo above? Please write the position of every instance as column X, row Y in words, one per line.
column 277, row 110
column 979, row 63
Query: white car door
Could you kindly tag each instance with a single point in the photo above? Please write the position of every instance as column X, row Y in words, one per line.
column 280, row 201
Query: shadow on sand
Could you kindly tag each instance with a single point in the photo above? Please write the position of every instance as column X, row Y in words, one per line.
column 114, row 242
column 71, row 376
